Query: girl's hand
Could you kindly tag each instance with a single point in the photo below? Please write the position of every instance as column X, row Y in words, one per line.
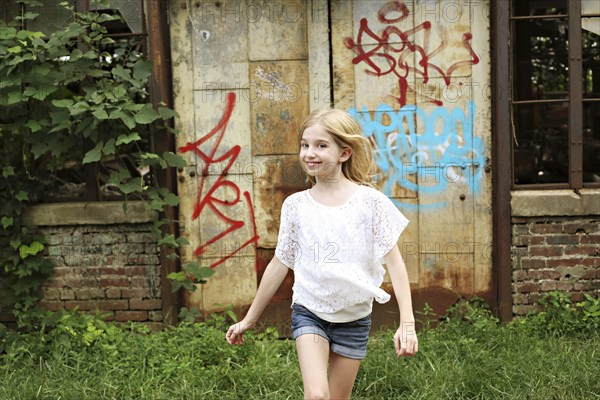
column 405, row 340
column 235, row 333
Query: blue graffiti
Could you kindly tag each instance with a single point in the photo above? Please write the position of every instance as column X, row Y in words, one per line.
column 425, row 162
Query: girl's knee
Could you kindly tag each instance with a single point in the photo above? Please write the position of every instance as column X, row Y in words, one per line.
column 316, row 393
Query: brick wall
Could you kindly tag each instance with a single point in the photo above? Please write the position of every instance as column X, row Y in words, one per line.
column 112, row 268
column 554, row 254
column 115, row 269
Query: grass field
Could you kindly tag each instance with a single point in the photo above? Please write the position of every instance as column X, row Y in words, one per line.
column 465, row 358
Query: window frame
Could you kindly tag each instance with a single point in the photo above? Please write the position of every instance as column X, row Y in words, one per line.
column 574, row 99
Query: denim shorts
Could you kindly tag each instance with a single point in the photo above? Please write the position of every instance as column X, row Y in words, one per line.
column 348, row 339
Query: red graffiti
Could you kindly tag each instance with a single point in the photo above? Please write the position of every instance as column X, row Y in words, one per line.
column 210, row 202
column 389, row 51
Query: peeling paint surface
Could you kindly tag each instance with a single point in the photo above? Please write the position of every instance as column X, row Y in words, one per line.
column 416, row 75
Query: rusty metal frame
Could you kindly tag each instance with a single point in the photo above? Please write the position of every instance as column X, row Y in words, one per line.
column 501, row 159
column 575, row 100
column 161, row 92
column 575, row 96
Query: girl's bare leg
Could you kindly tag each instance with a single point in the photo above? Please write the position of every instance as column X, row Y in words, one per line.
column 313, row 355
column 342, row 373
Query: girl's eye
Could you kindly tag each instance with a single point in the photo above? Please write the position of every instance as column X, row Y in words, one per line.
column 304, row 145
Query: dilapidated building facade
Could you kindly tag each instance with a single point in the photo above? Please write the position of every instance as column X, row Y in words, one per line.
column 485, row 128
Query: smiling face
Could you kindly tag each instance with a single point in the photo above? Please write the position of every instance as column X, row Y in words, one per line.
column 320, row 156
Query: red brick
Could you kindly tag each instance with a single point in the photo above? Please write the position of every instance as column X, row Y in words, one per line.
column 528, row 240
column 528, row 287
column 589, row 239
column 531, row 263
column 83, row 305
column 135, row 293
column 113, row 304
column 581, row 250
column 51, row 294
column 113, row 293
column 536, row 274
column 136, row 271
column 145, row 304
column 551, row 274
column 562, row 239
column 582, row 227
column 577, row 297
column 114, row 281
column 546, row 228
column 584, row 286
column 545, row 251
column 548, row 286
column 564, row 286
column 66, row 294
column 131, row 315
column 591, row 262
column 519, row 275
column 564, row 262
column 52, row 305
column 534, row 298
column 590, row 274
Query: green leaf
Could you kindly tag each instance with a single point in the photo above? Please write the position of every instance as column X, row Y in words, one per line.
column 94, row 155
column 76, row 54
column 126, row 139
column 197, row 272
column 171, row 199
column 167, row 240
column 7, row 222
column 33, row 125
column 14, row 49
column 7, row 32
column 182, row 241
column 128, row 120
column 14, row 97
column 142, row 70
column 22, row 196
column 31, row 250
column 120, row 72
column 100, row 114
column 8, row 171
column 174, row 160
column 109, row 147
column 136, row 184
column 146, row 115
column 65, row 103
column 167, row 113
column 117, row 177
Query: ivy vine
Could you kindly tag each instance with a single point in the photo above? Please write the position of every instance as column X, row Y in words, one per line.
column 65, row 98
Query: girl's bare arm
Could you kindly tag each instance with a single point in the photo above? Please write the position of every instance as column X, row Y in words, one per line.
column 405, row 339
column 274, row 274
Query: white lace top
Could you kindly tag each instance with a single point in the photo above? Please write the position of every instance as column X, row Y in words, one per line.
column 336, row 252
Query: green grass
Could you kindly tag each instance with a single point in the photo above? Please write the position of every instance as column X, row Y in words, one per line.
column 84, row 358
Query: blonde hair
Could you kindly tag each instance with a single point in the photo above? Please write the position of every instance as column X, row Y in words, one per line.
column 347, row 133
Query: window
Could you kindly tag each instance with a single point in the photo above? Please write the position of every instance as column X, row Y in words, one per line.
column 72, row 181
column 555, row 72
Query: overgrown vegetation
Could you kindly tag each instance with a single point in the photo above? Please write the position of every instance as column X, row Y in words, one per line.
column 73, row 98
column 469, row 355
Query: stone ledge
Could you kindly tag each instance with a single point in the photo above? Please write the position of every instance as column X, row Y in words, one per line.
column 555, row 203
column 90, row 213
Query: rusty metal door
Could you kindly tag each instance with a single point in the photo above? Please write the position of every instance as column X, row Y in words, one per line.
column 416, row 74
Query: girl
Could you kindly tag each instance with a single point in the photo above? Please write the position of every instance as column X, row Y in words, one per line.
column 334, row 236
